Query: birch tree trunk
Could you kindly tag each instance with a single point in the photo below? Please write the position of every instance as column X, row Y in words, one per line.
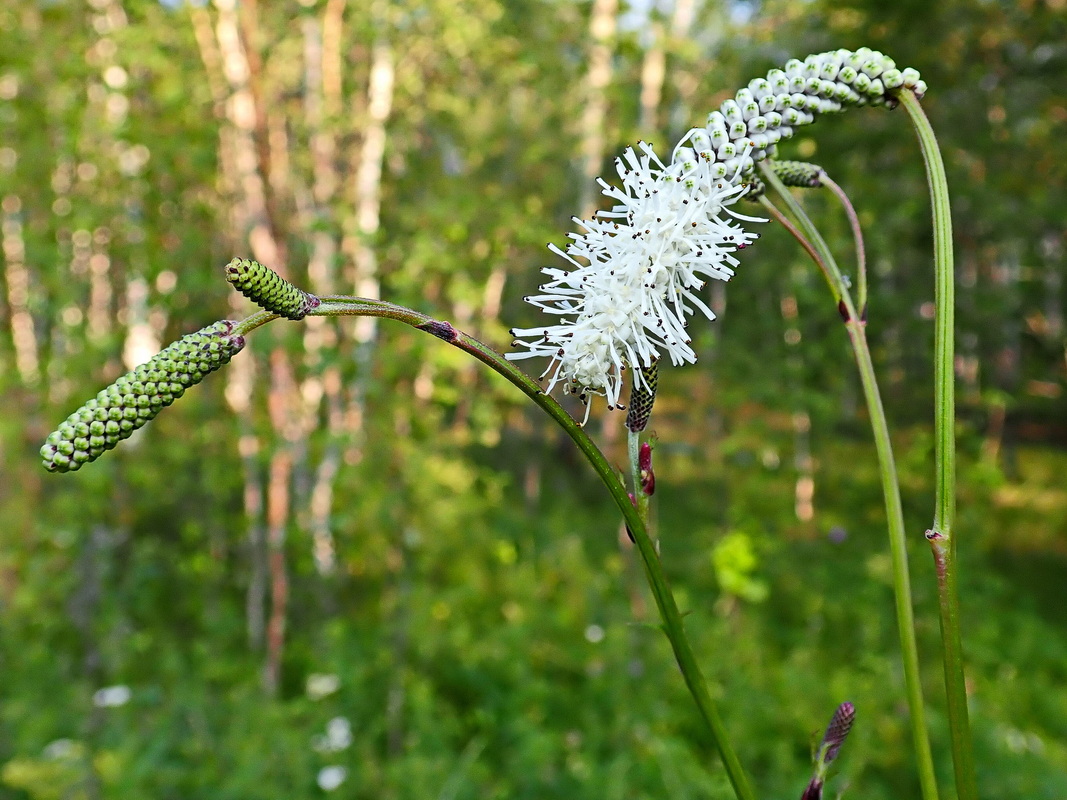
column 17, row 280
column 241, row 374
column 653, row 73
column 249, row 137
column 359, row 240
column 322, row 106
column 654, row 64
column 603, row 23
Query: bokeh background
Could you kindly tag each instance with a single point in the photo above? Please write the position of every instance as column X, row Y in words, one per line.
column 354, row 562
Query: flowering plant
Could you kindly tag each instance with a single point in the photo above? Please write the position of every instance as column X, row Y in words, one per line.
column 632, row 280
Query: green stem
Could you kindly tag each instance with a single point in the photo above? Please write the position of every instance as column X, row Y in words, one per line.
column 857, row 238
column 811, row 240
column 673, row 626
column 784, row 221
column 257, row 320
column 942, row 536
column 890, row 486
column 633, row 450
column 633, row 447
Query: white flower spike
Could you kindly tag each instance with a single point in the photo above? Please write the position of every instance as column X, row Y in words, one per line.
column 643, row 264
column 636, row 271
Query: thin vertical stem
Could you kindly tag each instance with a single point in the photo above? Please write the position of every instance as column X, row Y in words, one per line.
column 640, row 499
column 603, row 22
column 857, row 237
column 890, row 486
column 633, row 446
column 942, row 536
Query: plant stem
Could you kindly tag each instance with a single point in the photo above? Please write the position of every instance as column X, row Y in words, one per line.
column 633, row 448
column 856, row 328
column 633, row 452
column 784, row 221
column 942, row 537
column 857, row 237
column 249, row 324
column 338, row 305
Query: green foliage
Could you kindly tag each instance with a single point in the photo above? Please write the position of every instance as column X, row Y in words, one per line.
column 735, row 562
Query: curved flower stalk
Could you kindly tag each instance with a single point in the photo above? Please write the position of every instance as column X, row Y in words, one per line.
column 940, row 536
column 343, row 305
column 635, row 272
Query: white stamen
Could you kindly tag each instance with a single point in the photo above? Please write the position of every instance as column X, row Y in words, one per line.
column 648, row 257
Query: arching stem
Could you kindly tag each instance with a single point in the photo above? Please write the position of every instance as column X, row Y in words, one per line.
column 812, row 241
column 942, row 536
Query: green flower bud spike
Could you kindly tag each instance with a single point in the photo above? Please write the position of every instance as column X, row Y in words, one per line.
column 136, row 397
column 269, row 290
column 792, row 173
column 798, row 173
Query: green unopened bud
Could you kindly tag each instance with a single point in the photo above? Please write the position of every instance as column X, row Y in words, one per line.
column 136, row 397
column 269, row 290
column 642, row 397
column 791, row 173
column 756, row 188
column 892, row 79
column 798, row 173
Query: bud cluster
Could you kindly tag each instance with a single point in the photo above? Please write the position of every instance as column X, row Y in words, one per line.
column 798, row 173
column 836, row 733
column 269, row 290
column 801, row 174
column 747, row 128
column 135, row 398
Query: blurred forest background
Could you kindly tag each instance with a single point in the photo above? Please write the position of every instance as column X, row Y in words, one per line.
column 355, row 561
